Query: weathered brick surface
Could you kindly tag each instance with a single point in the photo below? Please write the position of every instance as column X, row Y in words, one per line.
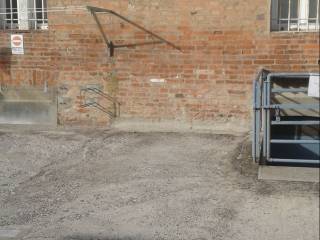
column 224, row 44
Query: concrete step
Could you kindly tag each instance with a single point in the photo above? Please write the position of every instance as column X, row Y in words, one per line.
column 298, row 174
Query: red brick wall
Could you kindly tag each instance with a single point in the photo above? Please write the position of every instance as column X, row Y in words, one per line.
column 224, row 44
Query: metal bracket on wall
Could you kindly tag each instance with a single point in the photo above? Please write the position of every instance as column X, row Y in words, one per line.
column 111, row 45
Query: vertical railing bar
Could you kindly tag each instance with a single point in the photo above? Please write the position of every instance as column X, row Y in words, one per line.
column 35, row 14
column 268, row 118
column 308, row 13
column 278, row 16
column 265, row 120
column 298, row 20
column 318, row 17
column 254, row 143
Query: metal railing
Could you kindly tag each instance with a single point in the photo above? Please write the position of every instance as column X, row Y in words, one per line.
column 278, row 137
column 92, row 103
column 295, row 24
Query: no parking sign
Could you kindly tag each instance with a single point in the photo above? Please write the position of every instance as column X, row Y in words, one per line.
column 17, row 44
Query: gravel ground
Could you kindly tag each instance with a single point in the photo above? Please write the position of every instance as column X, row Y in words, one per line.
column 113, row 185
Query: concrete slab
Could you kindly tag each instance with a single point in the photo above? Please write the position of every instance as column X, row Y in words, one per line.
column 8, row 233
column 298, row 174
column 29, row 106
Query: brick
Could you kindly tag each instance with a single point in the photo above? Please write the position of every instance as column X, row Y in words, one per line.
column 222, row 53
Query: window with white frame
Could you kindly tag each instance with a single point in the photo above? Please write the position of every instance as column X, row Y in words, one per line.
column 23, row 14
column 295, row 15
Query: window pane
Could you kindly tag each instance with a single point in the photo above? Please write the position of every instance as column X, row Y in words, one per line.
column 8, row 4
column 8, row 10
column 39, row 10
column 313, row 4
column 274, row 15
column 284, row 8
column 15, row 11
column 294, row 9
column 45, row 7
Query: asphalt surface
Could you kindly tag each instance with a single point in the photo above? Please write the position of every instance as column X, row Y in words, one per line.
column 112, row 185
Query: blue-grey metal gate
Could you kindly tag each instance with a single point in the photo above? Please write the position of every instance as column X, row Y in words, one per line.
column 286, row 120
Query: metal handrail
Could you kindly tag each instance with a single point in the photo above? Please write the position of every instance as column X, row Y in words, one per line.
column 100, row 107
column 99, row 92
column 116, row 104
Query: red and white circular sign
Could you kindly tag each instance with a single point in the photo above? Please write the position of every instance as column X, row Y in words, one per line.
column 17, row 41
column 17, row 44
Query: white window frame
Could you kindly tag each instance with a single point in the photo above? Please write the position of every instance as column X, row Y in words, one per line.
column 301, row 24
column 29, row 14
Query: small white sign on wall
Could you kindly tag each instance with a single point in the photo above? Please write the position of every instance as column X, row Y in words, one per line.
column 17, row 46
column 314, row 86
column 157, row 80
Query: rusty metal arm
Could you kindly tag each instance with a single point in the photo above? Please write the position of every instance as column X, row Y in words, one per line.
column 101, row 28
column 137, row 44
column 111, row 45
